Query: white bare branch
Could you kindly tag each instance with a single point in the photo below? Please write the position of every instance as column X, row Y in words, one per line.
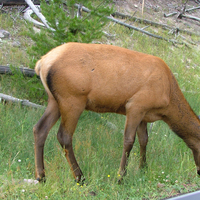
column 39, row 14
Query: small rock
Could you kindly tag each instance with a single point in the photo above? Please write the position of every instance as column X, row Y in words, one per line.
column 36, row 30
column 16, row 44
column 31, row 181
column 156, row 9
column 160, row 185
column 4, row 34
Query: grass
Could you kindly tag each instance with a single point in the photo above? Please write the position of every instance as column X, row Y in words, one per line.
column 9, row 53
column 98, row 138
column 170, row 162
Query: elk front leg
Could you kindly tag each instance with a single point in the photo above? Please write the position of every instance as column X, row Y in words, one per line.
column 193, row 144
column 41, row 130
column 197, row 160
column 143, row 140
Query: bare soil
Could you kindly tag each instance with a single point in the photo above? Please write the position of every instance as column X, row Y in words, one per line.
column 154, row 10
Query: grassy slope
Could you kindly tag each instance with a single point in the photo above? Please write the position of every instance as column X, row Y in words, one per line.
column 171, row 169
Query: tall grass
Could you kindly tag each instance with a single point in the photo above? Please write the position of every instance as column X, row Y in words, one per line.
column 98, row 140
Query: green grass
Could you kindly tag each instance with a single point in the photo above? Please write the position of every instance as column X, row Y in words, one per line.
column 98, row 149
column 97, row 143
column 27, row 88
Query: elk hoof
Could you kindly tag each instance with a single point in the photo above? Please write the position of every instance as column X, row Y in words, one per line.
column 80, row 180
column 120, row 181
column 41, row 180
column 143, row 166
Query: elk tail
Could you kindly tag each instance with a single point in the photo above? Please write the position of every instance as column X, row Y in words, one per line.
column 38, row 67
column 42, row 74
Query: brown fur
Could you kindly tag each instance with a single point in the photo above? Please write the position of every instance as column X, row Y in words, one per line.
column 105, row 78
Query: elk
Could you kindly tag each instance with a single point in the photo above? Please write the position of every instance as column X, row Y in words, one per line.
column 105, row 78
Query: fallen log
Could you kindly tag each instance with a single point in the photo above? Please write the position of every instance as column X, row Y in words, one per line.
column 134, row 28
column 16, row 2
column 186, row 10
column 145, row 21
column 23, row 102
column 145, row 32
column 24, row 70
column 170, row 14
column 191, row 9
column 189, row 17
column 139, row 20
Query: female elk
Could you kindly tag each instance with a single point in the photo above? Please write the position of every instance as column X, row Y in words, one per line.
column 104, row 78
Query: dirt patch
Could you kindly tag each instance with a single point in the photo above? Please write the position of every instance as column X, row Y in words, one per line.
column 154, row 10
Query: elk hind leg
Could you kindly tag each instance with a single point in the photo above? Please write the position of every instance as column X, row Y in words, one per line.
column 65, row 135
column 41, row 130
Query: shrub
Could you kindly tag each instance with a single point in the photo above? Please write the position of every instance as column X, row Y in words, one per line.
column 68, row 27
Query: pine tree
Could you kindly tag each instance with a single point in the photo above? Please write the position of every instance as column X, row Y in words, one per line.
column 68, row 27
